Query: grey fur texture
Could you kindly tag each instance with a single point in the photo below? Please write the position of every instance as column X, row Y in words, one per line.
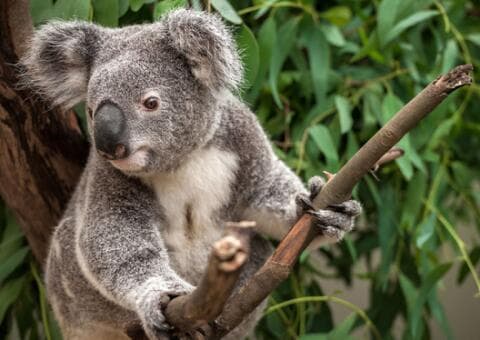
column 139, row 228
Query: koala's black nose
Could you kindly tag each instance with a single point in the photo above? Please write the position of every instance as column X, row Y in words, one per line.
column 110, row 131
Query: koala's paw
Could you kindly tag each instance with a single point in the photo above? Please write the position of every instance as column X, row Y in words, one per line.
column 333, row 222
column 151, row 307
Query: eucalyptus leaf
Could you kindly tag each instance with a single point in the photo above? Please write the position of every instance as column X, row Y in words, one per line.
column 165, row 6
column 106, row 12
column 226, row 10
column 9, row 292
column 135, row 5
column 287, row 32
column 428, row 284
column 14, row 261
column 250, row 54
column 319, row 58
column 345, row 113
column 69, row 10
column 406, row 23
column 323, row 139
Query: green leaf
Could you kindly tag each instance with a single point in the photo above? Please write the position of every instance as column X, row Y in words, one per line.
column 352, row 145
column 250, row 54
column 323, row 139
column 267, row 36
column 41, row 10
column 387, row 12
column 474, row 38
column 226, row 10
column 338, row 15
column 333, row 35
column 441, row 132
column 122, row 7
column 450, row 56
column 406, row 23
column 280, row 52
column 464, row 270
column 439, row 314
column 428, row 283
column 387, row 230
column 414, row 199
column 409, row 291
column 319, row 58
column 342, row 331
column 391, row 104
column 315, row 336
column 135, row 5
column 345, row 113
column 9, row 293
column 425, row 231
column 165, row 6
column 68, row 10
column 405, row 167
column 106, row 12
column 351, row 247
column 12, row 263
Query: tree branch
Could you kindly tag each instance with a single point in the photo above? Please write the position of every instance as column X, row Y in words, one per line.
column 338, row 189
column 206, row 302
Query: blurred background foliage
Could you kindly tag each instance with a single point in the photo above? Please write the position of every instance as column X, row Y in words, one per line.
column 322, row 77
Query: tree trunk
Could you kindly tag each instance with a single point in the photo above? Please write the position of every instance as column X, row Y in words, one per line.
column 42, row 150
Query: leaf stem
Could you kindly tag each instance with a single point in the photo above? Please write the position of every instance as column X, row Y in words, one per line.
column 460, row 244
column 328, row 298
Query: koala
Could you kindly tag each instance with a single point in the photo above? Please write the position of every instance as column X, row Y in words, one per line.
column 174, row 155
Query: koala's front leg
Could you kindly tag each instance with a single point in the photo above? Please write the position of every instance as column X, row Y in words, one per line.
column 122, row 254
column 152, row 298
column 333, row 222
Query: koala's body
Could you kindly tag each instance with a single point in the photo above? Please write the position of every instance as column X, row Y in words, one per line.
column 174, row 156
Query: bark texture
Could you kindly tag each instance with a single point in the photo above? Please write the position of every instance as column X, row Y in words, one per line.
column 42, row 150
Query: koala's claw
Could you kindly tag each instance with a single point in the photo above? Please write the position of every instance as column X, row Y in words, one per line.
column 333, row 222
column 151, row 308
column 315, row 185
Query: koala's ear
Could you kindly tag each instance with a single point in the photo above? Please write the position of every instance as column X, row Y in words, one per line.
column 208, row 46
column 57, row 64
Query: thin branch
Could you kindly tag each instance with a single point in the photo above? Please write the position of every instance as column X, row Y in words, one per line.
column 338, row 189
column 206, row 302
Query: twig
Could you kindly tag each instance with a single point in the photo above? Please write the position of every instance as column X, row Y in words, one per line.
column 338, row 189
column 229, row 254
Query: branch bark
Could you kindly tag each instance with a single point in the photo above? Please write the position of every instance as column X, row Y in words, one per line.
column 338, row 189
column 206, row 302
column 42, row 150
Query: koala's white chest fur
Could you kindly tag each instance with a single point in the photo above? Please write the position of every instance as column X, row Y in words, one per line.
column 191, row 198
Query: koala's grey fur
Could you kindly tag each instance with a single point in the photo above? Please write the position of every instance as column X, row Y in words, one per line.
column 140, row 228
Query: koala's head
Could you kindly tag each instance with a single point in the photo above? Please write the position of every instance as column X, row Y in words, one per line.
column 151, row 90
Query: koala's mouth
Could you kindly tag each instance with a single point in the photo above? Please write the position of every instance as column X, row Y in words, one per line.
column 135, row 162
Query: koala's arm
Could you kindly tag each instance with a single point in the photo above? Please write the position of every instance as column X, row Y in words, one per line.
column 278, row 199
column 121, row 253
column 272, row 199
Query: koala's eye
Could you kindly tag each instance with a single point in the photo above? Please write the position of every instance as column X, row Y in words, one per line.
column 90, row 112
column 151, row 103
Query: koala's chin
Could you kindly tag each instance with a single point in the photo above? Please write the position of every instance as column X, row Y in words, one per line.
column 137, row 162
column 145, row 162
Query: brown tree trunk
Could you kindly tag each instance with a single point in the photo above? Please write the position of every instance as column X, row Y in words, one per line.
column 42, row 150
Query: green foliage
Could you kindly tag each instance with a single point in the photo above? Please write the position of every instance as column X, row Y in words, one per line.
column 23, row 308
column 323, row 76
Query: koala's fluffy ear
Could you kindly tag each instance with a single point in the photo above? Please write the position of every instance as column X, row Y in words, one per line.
column 58, row 61
column 208, row 46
